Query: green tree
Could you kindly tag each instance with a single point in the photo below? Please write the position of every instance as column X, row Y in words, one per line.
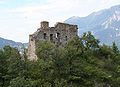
column 83, row 62
column 115, row 48
column 3, row 69
column 20, row 82
column 45, row 50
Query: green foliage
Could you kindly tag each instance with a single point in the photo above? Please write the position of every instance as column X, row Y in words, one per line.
column 60, row 83
column 45, row 50
column 20, row 82
column 3, row 69
column 115, row 48
column 83, row 62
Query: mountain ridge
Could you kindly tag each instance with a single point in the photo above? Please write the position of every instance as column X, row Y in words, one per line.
column 104, row 24
column 19, row 45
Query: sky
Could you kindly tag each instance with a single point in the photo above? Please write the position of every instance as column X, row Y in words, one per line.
column 19, row 18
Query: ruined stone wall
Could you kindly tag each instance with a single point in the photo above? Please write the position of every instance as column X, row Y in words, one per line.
column 60, row 34
column 31, row 48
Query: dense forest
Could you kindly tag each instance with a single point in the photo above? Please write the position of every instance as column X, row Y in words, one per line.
column 83, row 62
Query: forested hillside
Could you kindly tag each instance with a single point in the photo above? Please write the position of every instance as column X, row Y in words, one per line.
column 19, row 45
column 83, row 62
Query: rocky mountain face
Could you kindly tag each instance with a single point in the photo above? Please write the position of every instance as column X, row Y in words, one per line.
column 19, row 45
column 104, row 24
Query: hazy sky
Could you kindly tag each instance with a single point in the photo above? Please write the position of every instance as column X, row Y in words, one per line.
column 19, row 18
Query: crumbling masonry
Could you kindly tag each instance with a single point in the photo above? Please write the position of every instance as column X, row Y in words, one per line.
column 60, row 34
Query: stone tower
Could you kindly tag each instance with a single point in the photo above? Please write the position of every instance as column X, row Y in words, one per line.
column 60, row 34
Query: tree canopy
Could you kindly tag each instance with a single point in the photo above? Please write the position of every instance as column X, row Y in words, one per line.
column 82, row 62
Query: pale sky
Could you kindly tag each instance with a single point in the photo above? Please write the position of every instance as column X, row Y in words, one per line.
column 19, row 18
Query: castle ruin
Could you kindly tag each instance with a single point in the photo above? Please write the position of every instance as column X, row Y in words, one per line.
column 60, row 34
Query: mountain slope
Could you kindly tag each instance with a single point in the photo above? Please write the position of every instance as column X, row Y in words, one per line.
column 4, row 42
column 104, row 24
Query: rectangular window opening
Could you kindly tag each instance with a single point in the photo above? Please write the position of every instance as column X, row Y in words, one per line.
column 45, row 35
column 51, row 37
